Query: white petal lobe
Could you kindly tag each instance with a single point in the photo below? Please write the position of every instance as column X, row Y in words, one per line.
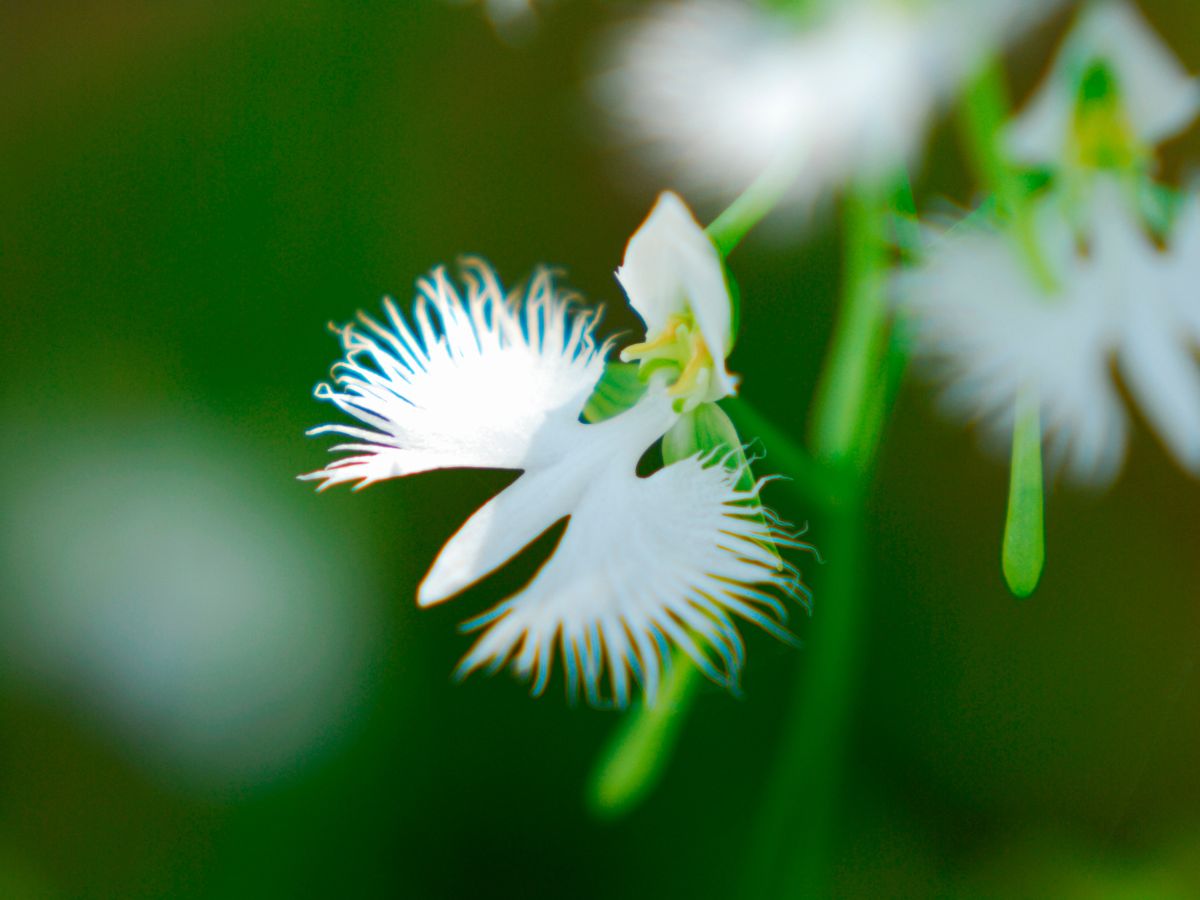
column 672, row 558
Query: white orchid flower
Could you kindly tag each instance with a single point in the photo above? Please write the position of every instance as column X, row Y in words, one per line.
column 1111, row 47
column 495, row 380
column 988, row 328
column 717, row 92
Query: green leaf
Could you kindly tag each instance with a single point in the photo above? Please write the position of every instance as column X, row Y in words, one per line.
column 618, row 389
column 1024, row 553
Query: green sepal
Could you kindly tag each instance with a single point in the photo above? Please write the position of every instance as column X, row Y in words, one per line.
column 619, row 389
column 735, row 307
column 706, row 429
column 1023, row 555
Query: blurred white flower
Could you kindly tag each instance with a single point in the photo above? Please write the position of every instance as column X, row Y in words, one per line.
column 152, row 580
column 716, row 92
column 1156, row 98
column 981, row 319
column 496, row 380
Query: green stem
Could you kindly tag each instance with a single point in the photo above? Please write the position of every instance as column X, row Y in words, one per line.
column 860, row 335
column 728, row 229
column 881, row 397
column 792, row 846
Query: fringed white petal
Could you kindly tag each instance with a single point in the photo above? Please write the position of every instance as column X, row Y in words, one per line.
column 671, row 267
column 1158, row 96
column 672, row 559
column 474, row 380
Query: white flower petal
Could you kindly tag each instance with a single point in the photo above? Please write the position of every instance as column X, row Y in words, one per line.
column 542, row 496
column 1159, row 97
column 671, row 267
column 644, row 563
column 488, row 381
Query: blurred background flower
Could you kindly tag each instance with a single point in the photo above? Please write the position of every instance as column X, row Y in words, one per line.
column 713, row 93
column 181, row 604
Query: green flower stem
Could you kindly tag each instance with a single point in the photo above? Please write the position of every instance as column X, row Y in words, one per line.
column 860, row 335
column 636, row 756
column 906, row 234
column 793, row 838
column 792, row 842
column 984, row 111
column 728, row 229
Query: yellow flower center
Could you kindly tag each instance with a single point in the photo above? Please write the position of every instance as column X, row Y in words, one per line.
column 680, row 351
column 1102, row 137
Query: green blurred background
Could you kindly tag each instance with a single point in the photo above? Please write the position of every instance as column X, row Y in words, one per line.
column 214, row 682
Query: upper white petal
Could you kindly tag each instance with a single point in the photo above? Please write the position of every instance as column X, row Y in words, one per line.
column 1158, row 95
column 481, row 381
column 669, row 559
column 671, row 267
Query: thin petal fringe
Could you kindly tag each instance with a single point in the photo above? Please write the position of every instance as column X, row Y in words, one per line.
column 463, row 381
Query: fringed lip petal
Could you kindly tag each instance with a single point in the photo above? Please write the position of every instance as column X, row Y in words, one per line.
column 672, row 558
column 509, row 522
